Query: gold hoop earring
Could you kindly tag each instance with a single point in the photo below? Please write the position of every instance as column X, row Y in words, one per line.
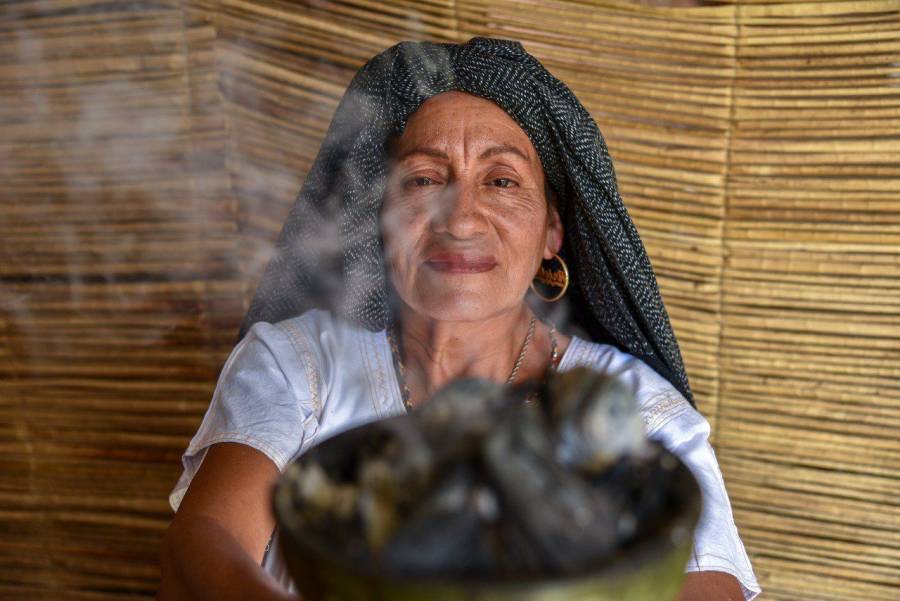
column 554, row 278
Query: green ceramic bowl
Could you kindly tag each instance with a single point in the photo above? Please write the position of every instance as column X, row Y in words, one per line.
column 649, row 569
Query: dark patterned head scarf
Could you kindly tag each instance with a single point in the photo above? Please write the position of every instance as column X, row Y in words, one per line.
column 329, row 253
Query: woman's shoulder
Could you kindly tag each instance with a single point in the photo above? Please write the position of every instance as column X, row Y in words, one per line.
column 657, row 398
column 316, row 331
column 307, row 349
column 312, row 322
column 340, row 370
column 612, row 360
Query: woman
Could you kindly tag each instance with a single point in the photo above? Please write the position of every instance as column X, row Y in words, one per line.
column 450, row 176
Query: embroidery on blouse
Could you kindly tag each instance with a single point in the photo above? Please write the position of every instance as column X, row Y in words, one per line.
column 300, row 343
column 663, row 407
column 375, row 371
column 578, row 354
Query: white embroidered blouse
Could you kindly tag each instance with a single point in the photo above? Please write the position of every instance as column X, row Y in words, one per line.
column 287, row 385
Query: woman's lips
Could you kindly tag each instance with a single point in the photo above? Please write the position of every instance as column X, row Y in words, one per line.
column 452, row 263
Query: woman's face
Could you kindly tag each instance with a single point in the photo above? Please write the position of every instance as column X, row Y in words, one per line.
column 465, row 218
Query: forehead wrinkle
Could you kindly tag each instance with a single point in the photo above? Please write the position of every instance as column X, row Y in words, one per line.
column 441, row 129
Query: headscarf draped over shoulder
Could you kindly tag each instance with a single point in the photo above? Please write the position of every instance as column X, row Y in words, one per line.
column 329, row 252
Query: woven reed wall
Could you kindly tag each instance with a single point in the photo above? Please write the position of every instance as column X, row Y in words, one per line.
column 120, row 284
column 149, row 152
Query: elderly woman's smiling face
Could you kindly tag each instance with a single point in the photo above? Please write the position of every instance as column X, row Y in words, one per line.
column 465, row 219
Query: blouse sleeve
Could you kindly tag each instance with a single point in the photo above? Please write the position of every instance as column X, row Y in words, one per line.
column 261, row 400
column 671, row 420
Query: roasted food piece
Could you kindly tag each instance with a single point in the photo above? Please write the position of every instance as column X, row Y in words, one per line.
column 566, row 523
column 595, row 418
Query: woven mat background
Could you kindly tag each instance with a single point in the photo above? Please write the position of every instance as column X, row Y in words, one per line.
column 149, row 152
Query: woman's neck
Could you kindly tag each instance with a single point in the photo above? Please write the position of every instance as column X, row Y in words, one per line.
column 436, row 352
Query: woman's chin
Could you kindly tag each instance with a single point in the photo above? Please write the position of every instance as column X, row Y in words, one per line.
column 456, row 306
column 459, row 297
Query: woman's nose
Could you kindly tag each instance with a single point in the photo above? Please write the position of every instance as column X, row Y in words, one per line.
column 459, row 212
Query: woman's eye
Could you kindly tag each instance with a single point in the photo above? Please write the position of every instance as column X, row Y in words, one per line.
column 503, row 182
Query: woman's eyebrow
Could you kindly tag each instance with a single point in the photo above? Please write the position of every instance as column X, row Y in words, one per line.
column 487, row 153
column 434, row 152
column 503, row 148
